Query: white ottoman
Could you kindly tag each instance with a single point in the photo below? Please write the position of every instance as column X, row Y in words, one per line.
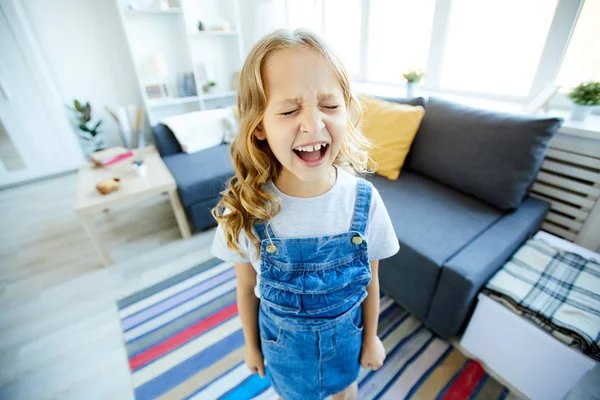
column 527, row 357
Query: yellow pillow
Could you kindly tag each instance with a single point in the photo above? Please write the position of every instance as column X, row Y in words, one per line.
column 392, row 128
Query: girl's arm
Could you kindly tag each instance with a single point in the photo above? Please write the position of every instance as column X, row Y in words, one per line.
column 370, row 306
column 248, row 303
column 248, row 310
column 372, row 352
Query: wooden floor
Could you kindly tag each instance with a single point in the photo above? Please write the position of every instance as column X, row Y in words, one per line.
column 60, row 335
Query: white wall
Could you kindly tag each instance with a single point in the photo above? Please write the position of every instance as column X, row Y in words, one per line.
column 85, row 49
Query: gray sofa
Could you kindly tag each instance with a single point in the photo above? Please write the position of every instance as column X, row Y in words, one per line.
column 459, row 208
column 200, row 176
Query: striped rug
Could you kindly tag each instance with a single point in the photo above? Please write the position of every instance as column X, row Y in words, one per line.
column 184, row 341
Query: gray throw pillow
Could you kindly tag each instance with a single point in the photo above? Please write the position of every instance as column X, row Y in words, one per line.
column 491, row 155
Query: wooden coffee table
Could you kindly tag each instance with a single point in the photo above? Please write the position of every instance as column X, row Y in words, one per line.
column 157, row 181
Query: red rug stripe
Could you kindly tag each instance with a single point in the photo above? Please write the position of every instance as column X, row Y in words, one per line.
column 465, row 384
column 175, row 341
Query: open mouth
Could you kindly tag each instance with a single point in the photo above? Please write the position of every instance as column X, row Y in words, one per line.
column 312, row 154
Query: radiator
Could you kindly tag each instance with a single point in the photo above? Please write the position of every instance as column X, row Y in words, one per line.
column 570, row 181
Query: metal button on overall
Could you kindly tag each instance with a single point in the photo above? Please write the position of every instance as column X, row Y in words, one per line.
column 357, row 240
column 271, row 249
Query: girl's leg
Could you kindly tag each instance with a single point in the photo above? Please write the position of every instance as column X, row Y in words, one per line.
column 350, row 393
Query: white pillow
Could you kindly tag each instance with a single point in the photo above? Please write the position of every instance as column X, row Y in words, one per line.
column 201, row 130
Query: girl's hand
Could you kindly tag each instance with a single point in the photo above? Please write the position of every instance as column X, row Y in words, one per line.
column 254, row 361
column 372, row 353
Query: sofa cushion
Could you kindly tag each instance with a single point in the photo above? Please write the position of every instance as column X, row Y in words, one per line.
column 494, row 156
column 433, row 222
column 463, row 276
column 201, row 175
column 392, row 128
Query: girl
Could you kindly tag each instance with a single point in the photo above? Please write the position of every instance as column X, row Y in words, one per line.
column 304, row 233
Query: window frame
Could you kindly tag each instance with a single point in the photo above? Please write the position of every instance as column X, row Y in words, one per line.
column 560, row 32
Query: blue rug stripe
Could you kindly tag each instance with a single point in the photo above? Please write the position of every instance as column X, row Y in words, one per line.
column 251, row 387
column 503, row 394
column 388, row 311
column 479, row 387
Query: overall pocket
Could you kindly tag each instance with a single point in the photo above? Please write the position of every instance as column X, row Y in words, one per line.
column 355, row 321
column 270, row 333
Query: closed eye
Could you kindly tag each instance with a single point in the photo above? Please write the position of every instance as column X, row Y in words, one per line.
column 293, row 111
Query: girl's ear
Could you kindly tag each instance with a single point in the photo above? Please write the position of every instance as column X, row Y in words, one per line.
column 259, row 132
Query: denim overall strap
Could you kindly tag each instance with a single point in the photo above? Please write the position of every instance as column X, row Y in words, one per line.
column 362, row 206
column 264, row 231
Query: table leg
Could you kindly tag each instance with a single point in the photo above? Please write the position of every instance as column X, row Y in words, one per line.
column 86, row 221
column 182, row 221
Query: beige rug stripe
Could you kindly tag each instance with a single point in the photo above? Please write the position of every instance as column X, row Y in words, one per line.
column 204, row 376
column 513, row 396
column 491, row 389
column 441, row 376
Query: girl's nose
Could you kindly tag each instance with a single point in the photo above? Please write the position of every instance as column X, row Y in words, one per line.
column 311, row 120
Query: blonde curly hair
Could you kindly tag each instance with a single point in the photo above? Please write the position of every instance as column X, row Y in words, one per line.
column 253, row 160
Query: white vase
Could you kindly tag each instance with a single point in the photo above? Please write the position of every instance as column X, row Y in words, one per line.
column 411, row 89
column 580, row 112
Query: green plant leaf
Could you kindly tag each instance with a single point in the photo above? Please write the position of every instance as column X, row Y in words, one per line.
column 78, row 106
column 586, row 93
column 87, row 112
column 94, row 130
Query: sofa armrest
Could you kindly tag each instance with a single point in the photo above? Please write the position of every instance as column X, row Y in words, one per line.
column 166, row 142
column 463, row 276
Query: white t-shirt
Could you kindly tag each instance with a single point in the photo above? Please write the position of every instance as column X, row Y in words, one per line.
column 326, row 214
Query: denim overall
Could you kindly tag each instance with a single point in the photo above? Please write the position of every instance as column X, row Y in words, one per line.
column 310, row 317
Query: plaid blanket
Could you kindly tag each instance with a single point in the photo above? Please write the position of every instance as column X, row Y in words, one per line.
column 558, row 290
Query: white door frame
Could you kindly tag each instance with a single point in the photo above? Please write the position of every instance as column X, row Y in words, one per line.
column 66, row 155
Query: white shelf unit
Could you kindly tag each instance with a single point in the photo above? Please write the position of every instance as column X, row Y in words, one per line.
column 173, row 34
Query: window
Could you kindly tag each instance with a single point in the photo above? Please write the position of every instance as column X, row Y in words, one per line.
column 306, row 14
column 343, row 30
column 338, row 21
column 399, row 36
column 582, row 60
column 495, row 46
column 487, row 47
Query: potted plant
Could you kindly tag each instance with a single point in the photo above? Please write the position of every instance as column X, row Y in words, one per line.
column 586, row 97
column 413, row 77
column 206, row 88
column 91, row 133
